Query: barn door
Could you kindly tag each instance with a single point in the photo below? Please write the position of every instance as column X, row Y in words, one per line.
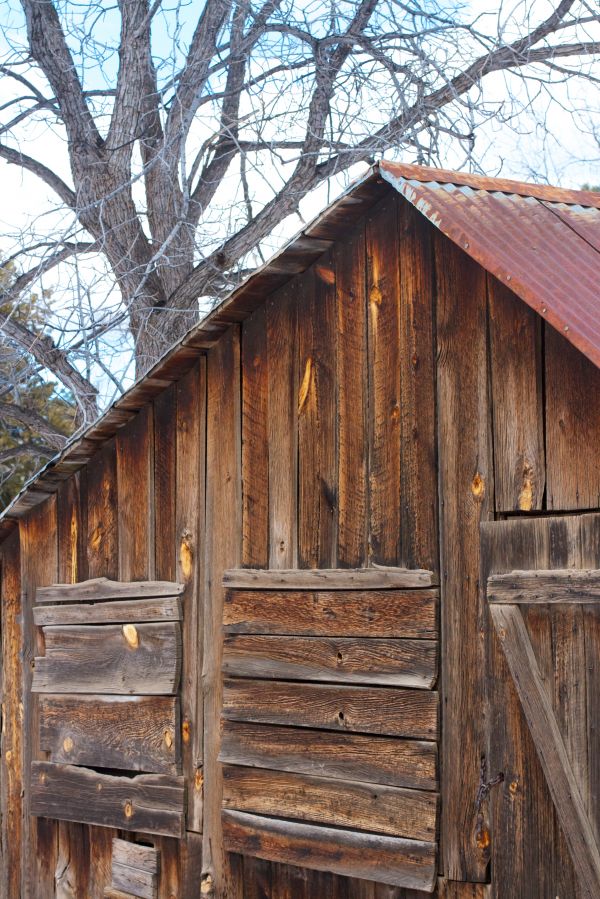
column 543, row 589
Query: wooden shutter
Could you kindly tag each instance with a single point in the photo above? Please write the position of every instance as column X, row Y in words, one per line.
column 106, row 684
column 330, row 726
column 543, row 588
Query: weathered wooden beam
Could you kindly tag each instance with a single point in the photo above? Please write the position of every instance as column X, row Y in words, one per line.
column 549, row 745
column 367, row 759
column 124, row 611
column 103, row 588
column 541, row 586
column 147, row 803
column 138, row 733
column 407, row 863
column 377, row 578
column 358, row 806
column 400, row 663
column 370, row 613
column 136, row 855
column 133, row 659
column 378, row 710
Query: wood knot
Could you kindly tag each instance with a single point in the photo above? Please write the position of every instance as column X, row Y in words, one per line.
column 185, row 731
column 478, row 487
column 67, row 744
column 131, row 635
column 206, row 884
column 186, row 555
column 325, row 274
column 305, row 386
column 198, row 780
column 168, row 739
column 128, row 808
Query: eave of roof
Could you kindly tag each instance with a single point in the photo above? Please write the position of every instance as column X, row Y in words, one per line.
column 516, row 231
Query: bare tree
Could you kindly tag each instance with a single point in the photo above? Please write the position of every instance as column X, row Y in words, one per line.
column 186, row 142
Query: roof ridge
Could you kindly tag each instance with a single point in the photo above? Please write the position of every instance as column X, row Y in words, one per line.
column 483, row 182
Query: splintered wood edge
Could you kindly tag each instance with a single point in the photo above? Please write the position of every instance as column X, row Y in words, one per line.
column 103, row 588
column 329, row 578
column 559, row 585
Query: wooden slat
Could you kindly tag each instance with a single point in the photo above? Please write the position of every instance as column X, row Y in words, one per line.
column 571, row 585
column 376, row 578
column 135, row 483
column 351, row 349
column 135, row 855
column 142, row 658
column 549, row 745
column 317, row 500
column 466, row 490
column 399, row 862
column 376, row 710
column 517, row 410
column 381, row 809
column 255, row 440
column 390, row 613
column 400, row 663
column 133, row 881
column 103, row 588
column 223, row 551
column 383, row 286
column 140, row 733
column 282, row 363
column 367, row 759
column 418, row 472
column 572, row 392
column 103, row 538
column 190, row 493
column 117, row 612
column 147, row 803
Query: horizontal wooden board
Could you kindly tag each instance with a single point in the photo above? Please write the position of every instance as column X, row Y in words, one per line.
column 406, row 863
column 391, row 711
column 139, row 733
column 117, row 612
column 103, row 588
column 137, row 883
column 366, row 759
column 143, row 659
column 148, row 803
column 135, row 855
column 377, row 809
column 369, row 613
column 328, row 578
column 401, row 663
column 540, row 586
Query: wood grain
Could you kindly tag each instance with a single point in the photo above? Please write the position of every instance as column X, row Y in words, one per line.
column 148, row 803
column 399, row 862
column 390, row 613
column 102, row 530
column 377, row 710
column 255, row 440
column 400, row 663
column 134, row 882
column 375, row 578
column 135, row 483
column 378, row 809
column 570, row 585
column 101, row 659
column 124, row 611
column 366, row 759
column 136, row 855
column 549, row 745
column 104, row 589
column 140, row 733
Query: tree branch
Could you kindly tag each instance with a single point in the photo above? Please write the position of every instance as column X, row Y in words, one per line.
column 15, row 157
column 32, row 420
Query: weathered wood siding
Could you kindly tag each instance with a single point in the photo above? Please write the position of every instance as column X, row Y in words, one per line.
column 392, row 393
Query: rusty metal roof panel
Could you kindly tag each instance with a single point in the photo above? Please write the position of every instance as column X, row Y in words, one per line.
column 545, row 249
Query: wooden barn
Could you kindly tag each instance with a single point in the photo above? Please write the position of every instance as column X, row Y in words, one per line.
column 313, row 611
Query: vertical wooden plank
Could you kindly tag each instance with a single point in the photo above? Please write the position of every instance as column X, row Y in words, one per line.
column 255, row 441
column 466, row 485
column 102, row 542
column 39, row 567
column 351, row 352
column 572, row 426
column 102, row 561
column 418, row 489
column 283, row 427
column 589, row 543
column 317, row 500
column 220, row 877
column 165, row 451
column 518, row 415
column 11, row 761
column 135, row 482
column 190, row 438
column 384, row 384
column 72, row 869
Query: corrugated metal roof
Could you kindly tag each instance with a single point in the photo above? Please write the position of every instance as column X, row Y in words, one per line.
column 543, row 242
